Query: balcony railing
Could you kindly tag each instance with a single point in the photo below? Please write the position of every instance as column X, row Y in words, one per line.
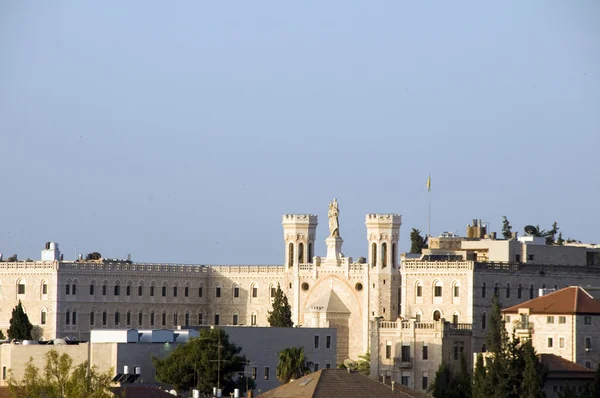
column 403, row 362
column 523, row 326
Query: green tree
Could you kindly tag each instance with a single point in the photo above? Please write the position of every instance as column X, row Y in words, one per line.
column 506, row 228
column 464, row 381
column 551, row 234
column 533, row 375
column 364, row 364
column 480, row 387
column 560, row 241
column 292, row 364
column 203, row 363
column 594, row 387
column 281, row 316
column 418, row 243
column 20, row 327
column 443, row 385
column 496, row 329
column 2, row 336
column 60, row 380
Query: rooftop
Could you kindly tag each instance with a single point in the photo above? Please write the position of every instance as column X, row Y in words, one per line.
column 327, row 383
column 570, row 300
column 561, row 368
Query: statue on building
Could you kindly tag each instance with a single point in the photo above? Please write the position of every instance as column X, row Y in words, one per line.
column 334, row 212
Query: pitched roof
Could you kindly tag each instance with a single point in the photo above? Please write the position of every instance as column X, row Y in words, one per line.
column 329, row 383
column 561, row 368
column 331, row 302
column 570, row 300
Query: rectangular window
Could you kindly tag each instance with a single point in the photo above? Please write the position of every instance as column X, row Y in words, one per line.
column 254, row 371
column 186, row 291
column 253, row 319
column 419, row 291
column 316, row 341
column 74, row 318
column 425, row 352
column 266, row 373
column 104, row 318
column 187, row 319
column 507, row 318
column 561, row 342
column 104, row 290
column 455, row 319
column 4, row 373
column 128, row 318
column 254, row 292
column 174, row 291
column 236, row 292
column 328, row 342
column 315, row 367
column 140, row 318
column 530, row 257
column 92, row 318
column 140, row 290
column 518, row 258
column 218, row 292
column 200, row 291
column 588, row 364
column 388, row 349
column 405, row 354
column 587, row 320
column 67, row 289
column 550, row 319
column 74, row 289
column 164, row 291
column 456, row 291
column 44, row 289
column 588, row 343
column 91, row 290
column 425, row 381
column 273, row 290
column 437, row 291
column 562, row 319
column 152, row 319
column 117, row 318
column 151, row 290
column 164, row 319
column 200, row 319
column 43, row 320
column 175, row 319
column 235, row 319
column 21, row 288
column 117, row 290
column 404, row 380
column 128, row 290
column 216, row 319
column 68, row 318
column 550, row 342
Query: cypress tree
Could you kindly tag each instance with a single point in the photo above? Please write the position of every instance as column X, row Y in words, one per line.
column 480, row 388
column 418, row 243
column 281, row 316
column 506, row 228
column 20, row 327
column 531, row 386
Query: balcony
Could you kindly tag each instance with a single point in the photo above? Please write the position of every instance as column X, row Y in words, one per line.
column 523, row 327
column 403, row 362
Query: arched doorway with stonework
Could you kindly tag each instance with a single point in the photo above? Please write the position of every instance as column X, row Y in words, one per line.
column 332, row 302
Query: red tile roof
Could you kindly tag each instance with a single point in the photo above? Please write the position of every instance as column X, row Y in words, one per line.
column 569, row 301
column 561, row 368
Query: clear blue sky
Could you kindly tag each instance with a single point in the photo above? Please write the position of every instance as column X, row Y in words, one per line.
column 182, row 131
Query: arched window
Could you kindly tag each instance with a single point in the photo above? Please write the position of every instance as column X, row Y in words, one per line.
column 68, row 317
column 236, row 290
column 483, row 321
column 164, row 289
column 519, row 291
column 531, row 291
column 175, row 289
column 253, row 317
column 117, row 288
column 128, row 318
column 201, row 317
column 373, row 254
column 104, row 318
column 483, row 286
column 140, row 318
column 418, row 316
column 92, row 287
column 68, row 287
column 300, row 253
column 186, row 290
column 394, row 254
column 437, row 289
column 140, row 288
column 456, row 289
column 151, row 318
column 74, row 287
column 175, row 319
column 217, row 318
column 187, row 318
column 383, row 255
column 20, row 286
column 418, row 291
column 235, row 316
column 128, row 288
column 507, row 290
column 310, row 252
column 152, row 288
column 272, row 290
column 117, row 318
column 43, row 316
column 455, row 318
column 290, row 254
column 254, row 289
column 44, row 289
column 496, row 289
column 436, row 315
column 217, row 290
column 163, row 320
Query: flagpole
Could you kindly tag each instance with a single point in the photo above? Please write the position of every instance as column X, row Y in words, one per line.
column 429, row 216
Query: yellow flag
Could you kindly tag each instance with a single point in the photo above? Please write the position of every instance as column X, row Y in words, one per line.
column 429, row 184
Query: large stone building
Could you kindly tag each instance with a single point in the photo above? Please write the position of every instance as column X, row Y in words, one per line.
column 69, row 298
column 452, row 281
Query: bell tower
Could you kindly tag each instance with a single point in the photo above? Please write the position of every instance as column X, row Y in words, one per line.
column 383, row 234
column 299, row 232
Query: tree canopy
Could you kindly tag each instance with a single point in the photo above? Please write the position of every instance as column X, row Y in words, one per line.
column 417, row 242
column 281, row 316
column 292, row 364
column 364, row 364
column 20, row 327
column 451, row 384
column 60, row 380
column 506, row 228
column 203, row 363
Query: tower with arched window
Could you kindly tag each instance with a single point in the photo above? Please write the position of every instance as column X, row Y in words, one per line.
column 383, row 233
column 299, row 231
